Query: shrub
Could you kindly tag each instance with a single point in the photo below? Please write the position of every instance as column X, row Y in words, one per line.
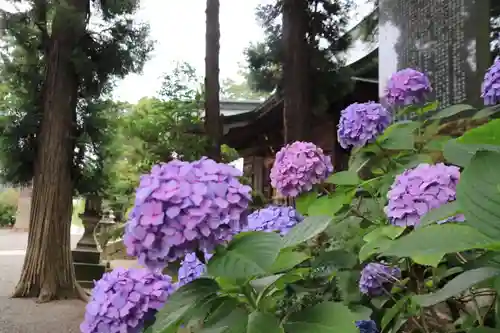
column 8, row 207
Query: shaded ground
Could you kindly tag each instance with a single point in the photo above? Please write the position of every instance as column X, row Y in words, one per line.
column 24, row 315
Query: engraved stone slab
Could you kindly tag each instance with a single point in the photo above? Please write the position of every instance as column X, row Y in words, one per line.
column 447, row 39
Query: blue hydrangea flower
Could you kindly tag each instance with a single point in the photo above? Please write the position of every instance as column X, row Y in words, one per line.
column 181, row 207
column 376, row 277
column 417, row 191
column 125, row 299
column 298, row 166
column 274, row 219
column 407, row 87
column 361, row 123
column 367, row 326
column 491, row 84
column 191, row 268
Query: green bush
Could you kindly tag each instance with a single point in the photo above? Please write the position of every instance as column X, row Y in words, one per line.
column 8, row 207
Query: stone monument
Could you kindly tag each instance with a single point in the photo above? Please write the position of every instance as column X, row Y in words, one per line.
column 23, row 209
column 86, row 255
column 447, row 39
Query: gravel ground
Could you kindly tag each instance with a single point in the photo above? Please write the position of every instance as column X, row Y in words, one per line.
column 24, row 315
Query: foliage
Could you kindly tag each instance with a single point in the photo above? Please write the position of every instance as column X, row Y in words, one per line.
column 8, row 207
column 449, row 271
column 326, row 38
column 109, row 50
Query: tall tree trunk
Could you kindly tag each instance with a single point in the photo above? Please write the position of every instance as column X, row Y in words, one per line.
column 297, row 100
column 213, row 125
column 48, row 267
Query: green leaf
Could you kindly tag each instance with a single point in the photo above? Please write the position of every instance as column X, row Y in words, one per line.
column 393, row 312
column 461, row 153
column 478, row 193
column 288, row 259
column 307, row 229
column 259, row 322
column 304, row 200
column 248, row 255
column 483, row 330
column 399, row 136
column 432, row 260
column 326, row 317
column 437, row 144
column 487, row 134
column 234, row 322
column 389, row 231
column 428, row 107
column 344, row 178
column 261, row 284
column 378, row 245
column 337, row 259
column 486, row 112
column 452, row 110
column 328, row 205
column 457, row 285
column 439, row 239
column 185, row 300
column 440, row 214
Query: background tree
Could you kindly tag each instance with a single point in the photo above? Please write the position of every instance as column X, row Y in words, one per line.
column 58, row 66
column 212, row 87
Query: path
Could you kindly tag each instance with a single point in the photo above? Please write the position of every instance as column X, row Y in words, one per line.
column 24, row 315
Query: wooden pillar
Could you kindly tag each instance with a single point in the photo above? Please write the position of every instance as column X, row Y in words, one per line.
column 258, row 170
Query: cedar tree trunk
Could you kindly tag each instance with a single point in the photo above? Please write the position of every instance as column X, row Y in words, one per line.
column 213, row 124
column 296, row 69
column 48, row 267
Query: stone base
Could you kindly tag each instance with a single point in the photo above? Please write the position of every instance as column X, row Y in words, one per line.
column 88, row 272
column 89, row 256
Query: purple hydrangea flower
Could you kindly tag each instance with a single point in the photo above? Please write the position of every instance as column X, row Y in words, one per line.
column 191, row 268
column 125, row 299
column 375, row 278
column 419, row 190
column 367, row 326
column 491, row 84
column 181, row 207
column 361, row 123
column 274, row 219
column 407, row 87
column 298, row 166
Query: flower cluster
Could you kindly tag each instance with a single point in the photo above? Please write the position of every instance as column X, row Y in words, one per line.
column 376, row 277
column 491, row 84
column 191, row 268
column 124, row 300
column 367, row 326
column 407, row 87
column 298, row 166
column 274, row 219
column 181, row 207
column 361, row 123
column 419, row 190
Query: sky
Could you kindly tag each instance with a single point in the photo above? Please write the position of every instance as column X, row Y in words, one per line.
column 178, row 27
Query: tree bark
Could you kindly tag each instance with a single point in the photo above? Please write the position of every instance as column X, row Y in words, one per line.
column 296, row 69
column 48, row 271
column 213, row 125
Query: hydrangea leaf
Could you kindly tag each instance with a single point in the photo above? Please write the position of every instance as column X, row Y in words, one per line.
column 259, row 322
column 248, row 255
column 399, row 136
column 478, row 194
column 326, row 317
column 307, row 229
column 229, row 319
column 344, row 178
column 487, row 112
column 390, row 231
column 439, row 239
column 263, row 283
column 452, row 110
column 328, row 205
column 432, row 260
column 288, row 259
column 183, row 301
column 378, row 245
column 461, row 153
column 488, row 134
column 457, row 285
column 441, row 213
column 303, row 201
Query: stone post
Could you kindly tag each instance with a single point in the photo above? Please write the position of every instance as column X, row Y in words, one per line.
column 86, row 255
column 448, row 40
column 23, row 209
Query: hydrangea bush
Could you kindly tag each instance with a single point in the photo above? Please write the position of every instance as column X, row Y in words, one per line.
column 376, row 239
